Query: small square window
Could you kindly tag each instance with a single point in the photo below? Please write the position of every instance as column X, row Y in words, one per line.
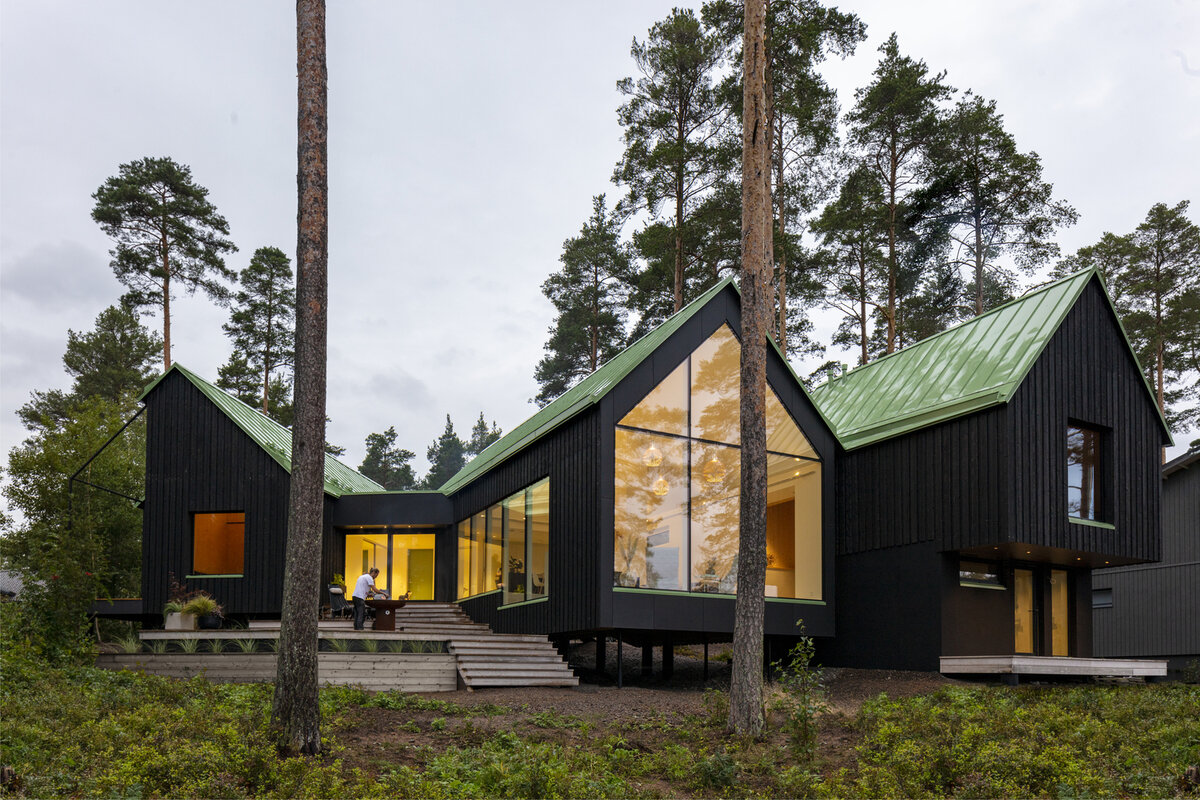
column 218, row 543
column 1102, row 598
column 1083, row 473
column 979, row 574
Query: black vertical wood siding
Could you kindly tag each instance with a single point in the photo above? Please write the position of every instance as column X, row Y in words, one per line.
column 568, row 456
column 1087, row 375
column 197, row 460
column 1156, row 607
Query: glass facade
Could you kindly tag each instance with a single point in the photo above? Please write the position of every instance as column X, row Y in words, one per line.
column 677, row 480
column 507, row 547
column 405, row 561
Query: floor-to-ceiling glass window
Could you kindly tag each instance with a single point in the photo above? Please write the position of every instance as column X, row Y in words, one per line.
column 507, row 546
column 677, row 480
column 405, row 560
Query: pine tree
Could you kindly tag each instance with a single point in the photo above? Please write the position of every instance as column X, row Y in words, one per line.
column 387, row 464
column 991, row 196
column 295, row 708
column 893, row 122
column 588, row 294
column 482, row 436
column 112, row 361
column 671, row 119
column 854, row 231
column 167, row 235
column 262, row 322
column 447, row 455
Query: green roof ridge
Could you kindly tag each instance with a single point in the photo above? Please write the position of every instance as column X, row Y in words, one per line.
column 968, row 367
column 272, row 437
column 581, row 396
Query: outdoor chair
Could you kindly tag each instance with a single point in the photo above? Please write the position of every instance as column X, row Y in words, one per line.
column 338, row 607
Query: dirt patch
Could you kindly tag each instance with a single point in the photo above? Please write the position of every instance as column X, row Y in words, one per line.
column 377, row 738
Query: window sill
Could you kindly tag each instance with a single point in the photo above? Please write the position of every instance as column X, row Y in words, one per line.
column 476, row 596
column 712, row 595
column 1108, row 526
column 202, row 577
column 970, row 585
column 524, row 602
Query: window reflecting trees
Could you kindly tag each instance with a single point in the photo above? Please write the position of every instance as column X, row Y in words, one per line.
column 677, row 479
column 507, row 547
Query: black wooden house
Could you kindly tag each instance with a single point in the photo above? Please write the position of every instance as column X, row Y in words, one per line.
column 920, row 506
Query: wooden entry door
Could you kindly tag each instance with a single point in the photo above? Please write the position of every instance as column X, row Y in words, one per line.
column 1041, row 603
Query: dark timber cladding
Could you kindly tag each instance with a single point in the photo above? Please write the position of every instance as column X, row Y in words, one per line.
column 568, row 456
column 1155, row 608
column 1087, row 375
column 198, row 460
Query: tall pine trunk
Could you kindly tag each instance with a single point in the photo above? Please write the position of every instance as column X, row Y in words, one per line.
column 746, row 687
column 295, row 708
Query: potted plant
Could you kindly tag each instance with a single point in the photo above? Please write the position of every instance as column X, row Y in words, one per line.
column 175, row 620
column 206, row 610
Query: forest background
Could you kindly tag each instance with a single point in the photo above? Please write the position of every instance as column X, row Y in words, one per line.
column 462, row 161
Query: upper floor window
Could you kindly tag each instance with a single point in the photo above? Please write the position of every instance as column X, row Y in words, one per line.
column 1083, row 472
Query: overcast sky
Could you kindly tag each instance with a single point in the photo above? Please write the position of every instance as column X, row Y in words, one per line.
column 466, row 142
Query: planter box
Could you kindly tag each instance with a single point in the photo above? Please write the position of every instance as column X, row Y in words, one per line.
column 179, row 622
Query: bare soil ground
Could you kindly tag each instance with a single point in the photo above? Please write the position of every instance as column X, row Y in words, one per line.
column 377, row 737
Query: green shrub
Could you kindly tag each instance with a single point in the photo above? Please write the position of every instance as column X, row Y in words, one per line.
column 799, row 699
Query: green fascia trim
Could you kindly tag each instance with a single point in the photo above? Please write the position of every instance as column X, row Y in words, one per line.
column 1108, row 526
column 977, row 585
column 800, row 383
column 712, row 595
column 394, row 491
column 201, row 577
column 522, row 603
column 975, row 365
column 272, row 437
column 474, row 596
column 581, row 396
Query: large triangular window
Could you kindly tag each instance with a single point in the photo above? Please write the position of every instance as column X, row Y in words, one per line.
column 677, row 484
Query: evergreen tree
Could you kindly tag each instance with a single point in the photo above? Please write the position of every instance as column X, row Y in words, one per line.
column 167, row 235
column 262, row 323
column 588, row 294
column 991, row 197
column 295, row 709
column 387, row 464
column 893, row 122
column 482, row 436
column 112, row 361
column 802, row 122
column 1163, row 286
column 447, row 455
column 671, row 119
column 854, row 230
column 1113, row 255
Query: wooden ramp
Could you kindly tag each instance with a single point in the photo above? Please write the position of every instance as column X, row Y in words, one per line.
column 1058, row 666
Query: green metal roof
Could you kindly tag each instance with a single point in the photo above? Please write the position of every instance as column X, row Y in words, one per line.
column 271, row 436
column 582, row 395
column 964, row 369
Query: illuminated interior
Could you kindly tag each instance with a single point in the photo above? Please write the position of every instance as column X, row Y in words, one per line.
column 409, row 568
column 677, row 479
column 218, row 544
column 506, row 547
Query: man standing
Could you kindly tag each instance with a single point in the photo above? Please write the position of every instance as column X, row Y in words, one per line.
column 364, row 587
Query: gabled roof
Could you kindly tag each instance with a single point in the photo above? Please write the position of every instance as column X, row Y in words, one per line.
column 271, row 436
column 581, row 396
column 972, row 366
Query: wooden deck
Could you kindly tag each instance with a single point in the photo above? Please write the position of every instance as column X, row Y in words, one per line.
column 406, row 672
column 478, row 657
column 1053, row 666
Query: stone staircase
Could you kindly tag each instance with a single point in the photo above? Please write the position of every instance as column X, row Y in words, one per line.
column 486, row 658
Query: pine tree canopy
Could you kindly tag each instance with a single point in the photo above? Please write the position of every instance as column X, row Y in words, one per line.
column 262, row 321
column 165, row 232
column 387, row 464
